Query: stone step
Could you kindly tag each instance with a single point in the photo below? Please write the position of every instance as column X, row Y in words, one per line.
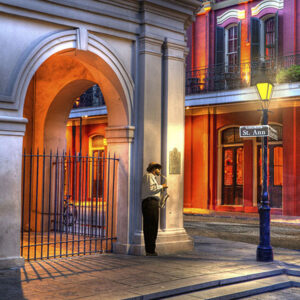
column 225, row 285
column 244, row 289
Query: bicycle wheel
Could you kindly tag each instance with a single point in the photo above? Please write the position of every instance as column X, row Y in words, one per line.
column 70, row 215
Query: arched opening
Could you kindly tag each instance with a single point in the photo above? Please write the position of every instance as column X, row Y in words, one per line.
column 69, row 198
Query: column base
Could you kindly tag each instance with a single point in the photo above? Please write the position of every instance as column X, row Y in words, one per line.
column 168, row 242
column 11, row 262
column 264, row 254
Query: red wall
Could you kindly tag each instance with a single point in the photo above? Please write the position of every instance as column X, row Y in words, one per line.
column 201, row 153
column 291, row 161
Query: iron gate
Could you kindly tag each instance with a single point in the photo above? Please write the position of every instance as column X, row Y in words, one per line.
column 68, row 204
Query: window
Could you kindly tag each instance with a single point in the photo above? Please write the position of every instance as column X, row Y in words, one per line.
column 231, row 136
column 227, row 57
column 269, row 34
column 96, row 150
column 232, row 47
column 264, row 38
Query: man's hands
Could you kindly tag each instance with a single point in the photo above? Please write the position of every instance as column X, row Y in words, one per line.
column 165, row 186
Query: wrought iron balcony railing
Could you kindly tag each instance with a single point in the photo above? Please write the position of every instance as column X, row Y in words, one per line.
column 229, row 77
column 90, row 98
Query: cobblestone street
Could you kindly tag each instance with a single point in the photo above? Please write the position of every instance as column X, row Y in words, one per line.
column 285, row 232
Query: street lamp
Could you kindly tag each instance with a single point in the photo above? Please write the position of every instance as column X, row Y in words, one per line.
column 264, row 250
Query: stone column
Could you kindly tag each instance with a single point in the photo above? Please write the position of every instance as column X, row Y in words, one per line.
column 160, row 133
column 11, row 137
column 172, row 236
column 119, row 140
column 147, row 147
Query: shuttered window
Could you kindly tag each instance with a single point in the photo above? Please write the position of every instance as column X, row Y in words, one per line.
column 264, row 38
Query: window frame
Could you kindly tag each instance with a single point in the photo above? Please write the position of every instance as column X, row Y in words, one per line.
column 227, row 53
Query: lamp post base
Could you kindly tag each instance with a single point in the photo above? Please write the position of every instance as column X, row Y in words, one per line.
column 264, row 254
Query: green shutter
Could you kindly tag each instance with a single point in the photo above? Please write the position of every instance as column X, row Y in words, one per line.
column 255, row 39
column 219, row 69
column 276, row 35
column 239, row 42
column 220, row 46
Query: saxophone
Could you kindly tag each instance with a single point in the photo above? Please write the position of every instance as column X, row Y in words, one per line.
column 164, row 195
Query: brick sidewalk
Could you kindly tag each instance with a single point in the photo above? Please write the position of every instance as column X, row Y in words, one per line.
column 113, row 276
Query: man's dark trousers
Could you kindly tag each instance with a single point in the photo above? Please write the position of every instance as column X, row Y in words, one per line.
column 150, row 211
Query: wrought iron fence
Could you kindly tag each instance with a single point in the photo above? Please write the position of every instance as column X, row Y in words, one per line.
column 229, row 77
column 68, row 204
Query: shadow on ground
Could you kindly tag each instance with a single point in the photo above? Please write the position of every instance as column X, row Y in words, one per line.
column 11, row 285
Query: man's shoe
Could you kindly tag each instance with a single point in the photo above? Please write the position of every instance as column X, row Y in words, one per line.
column 151, row 254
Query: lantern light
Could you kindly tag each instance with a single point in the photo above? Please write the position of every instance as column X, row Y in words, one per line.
column 265, row 90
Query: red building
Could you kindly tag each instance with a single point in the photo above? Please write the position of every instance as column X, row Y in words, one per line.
column 229, row 42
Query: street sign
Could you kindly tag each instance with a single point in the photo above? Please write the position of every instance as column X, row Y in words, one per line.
column 258, row 131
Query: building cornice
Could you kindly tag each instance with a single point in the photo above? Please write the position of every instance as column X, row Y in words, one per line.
column 231, row 13
column 227, row 3
column 277, row 4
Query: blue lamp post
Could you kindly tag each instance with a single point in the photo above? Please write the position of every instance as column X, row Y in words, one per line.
column 264, row 250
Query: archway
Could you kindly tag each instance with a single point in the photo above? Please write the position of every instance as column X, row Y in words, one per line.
column 57, row 82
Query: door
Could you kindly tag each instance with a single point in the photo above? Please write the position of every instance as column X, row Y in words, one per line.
column 275, row 175
column 233, row 177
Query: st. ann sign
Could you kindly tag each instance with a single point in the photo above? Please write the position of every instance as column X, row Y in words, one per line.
column 258, row 131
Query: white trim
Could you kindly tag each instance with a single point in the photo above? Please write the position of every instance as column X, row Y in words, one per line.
column 231, row 13
column 277, row 4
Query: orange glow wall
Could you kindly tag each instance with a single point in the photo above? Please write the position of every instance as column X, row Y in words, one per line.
column 245, row 46
column 196, row 163
column 88, row 130
column 200, row 42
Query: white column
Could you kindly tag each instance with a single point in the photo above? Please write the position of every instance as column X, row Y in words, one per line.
column 160, row 129
column 147, row 147
column 172, row 236
column 119, row 140
column 11, row 137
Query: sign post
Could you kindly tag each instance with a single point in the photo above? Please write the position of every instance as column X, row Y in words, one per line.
column 264, row 250
column 258, row 131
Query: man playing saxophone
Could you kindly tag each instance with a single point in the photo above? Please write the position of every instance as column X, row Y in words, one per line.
column 151, row 196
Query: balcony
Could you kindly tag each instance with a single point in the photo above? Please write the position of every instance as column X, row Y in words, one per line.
column 91, row 98
column 230, row 77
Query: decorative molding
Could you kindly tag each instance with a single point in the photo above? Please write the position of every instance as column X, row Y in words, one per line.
column 174, row 51
column 12, row 126
column 232, row 13
column 277, row 4
column 119, row 134
column 149, row 45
